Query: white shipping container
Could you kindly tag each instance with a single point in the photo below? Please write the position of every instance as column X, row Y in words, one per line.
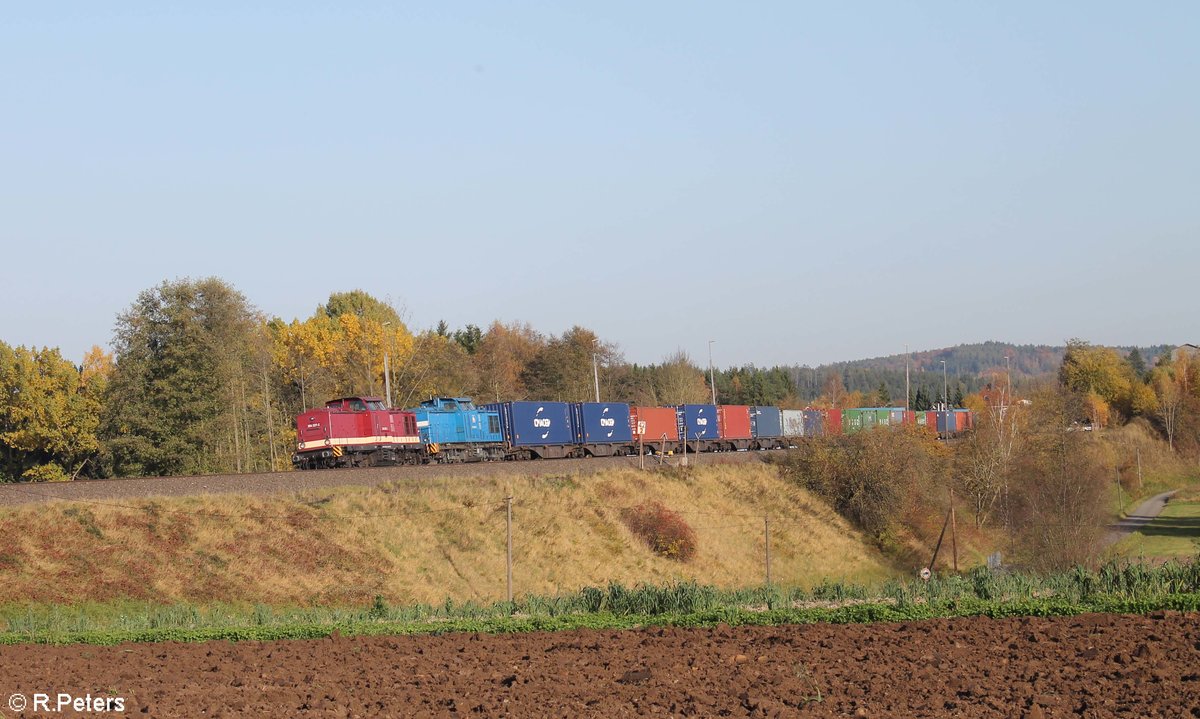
column 793, row 423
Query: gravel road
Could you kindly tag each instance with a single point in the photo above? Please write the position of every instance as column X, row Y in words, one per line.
column 1138, row 518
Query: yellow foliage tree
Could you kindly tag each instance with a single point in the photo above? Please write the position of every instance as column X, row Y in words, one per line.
column 49, row 412
column 340, row 350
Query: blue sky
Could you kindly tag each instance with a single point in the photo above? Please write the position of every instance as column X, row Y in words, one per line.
column 800, row 182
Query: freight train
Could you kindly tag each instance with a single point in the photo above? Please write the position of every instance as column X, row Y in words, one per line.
column 363, row 432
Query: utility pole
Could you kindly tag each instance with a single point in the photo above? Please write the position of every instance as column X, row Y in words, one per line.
column 953, row 530
column 508, row 508
column 1139, row 463
column 711, row 381
column 767, row 541
column 1120, row 494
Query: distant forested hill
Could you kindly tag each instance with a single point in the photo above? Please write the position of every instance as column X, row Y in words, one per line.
column 969, row 367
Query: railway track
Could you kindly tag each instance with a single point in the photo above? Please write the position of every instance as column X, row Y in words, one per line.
column 291, row 482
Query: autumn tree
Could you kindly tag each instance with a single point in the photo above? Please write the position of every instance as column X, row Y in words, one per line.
column 1100, row 374
column 984, row 459
column 677, row 381
column 1060, row 484
column 874, row 479
column 503, row 353
column 340, row 350
column 439, row 367
column 1175, row 380
column 562, row 370
column 49, row 412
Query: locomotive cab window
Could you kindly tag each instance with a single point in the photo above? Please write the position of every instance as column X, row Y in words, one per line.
column 357, row 405
column 375, row 405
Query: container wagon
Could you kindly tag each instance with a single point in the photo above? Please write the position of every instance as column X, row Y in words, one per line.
column 766, row 426
column 698, row 426
column 602, row 429
column 655, row 429
column 537, row 430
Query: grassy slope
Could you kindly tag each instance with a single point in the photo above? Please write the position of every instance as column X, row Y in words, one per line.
column 422, row 541
column 1160, row 468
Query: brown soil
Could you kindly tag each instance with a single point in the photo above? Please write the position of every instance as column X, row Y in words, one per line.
column 1092, row 665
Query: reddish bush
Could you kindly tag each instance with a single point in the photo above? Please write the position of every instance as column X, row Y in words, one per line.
column 664, row 531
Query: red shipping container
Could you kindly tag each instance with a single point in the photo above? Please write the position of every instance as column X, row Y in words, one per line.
column 931, row 420
column 833, row 422
column 733, row 421
column 910, row 417
column 650, row 424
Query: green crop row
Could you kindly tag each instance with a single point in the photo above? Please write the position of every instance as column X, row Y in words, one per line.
column 1134, row 587
column 731, row 616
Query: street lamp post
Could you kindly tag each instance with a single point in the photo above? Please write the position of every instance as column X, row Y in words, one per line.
column 906, row 387
column 1008, row 389
column 711, row 381
column 387, row 370
column 596, row 373
column 945, row 389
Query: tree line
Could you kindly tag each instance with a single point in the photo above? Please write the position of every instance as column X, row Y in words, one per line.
column 200, row 381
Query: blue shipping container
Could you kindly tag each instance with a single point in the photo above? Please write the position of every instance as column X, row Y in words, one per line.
column 766, row 422
column 814, row 423
column 945, row 422
column 528, row 424
column 602, row 422
column 697, row 421
column 456, row 420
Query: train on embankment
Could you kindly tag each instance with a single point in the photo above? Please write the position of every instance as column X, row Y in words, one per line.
column 363, row 432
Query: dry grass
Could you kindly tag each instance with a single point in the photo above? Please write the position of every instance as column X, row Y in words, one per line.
column 426, row 540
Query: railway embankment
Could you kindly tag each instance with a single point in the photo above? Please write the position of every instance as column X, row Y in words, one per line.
column 430, row 537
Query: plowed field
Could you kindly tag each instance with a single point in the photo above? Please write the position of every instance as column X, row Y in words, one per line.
column 1091, row 665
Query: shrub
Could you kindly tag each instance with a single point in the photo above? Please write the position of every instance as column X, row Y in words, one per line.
column 45, row 473
column 664, row 531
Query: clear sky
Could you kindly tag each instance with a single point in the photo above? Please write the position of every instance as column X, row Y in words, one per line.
column 802, row 182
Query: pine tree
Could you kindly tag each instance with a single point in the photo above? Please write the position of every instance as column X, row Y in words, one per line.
column 1138, row 363
column 882, row 397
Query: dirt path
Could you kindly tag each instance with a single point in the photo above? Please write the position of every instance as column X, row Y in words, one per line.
column 1138, row 518
column 1091, row 665
column 115, row 490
